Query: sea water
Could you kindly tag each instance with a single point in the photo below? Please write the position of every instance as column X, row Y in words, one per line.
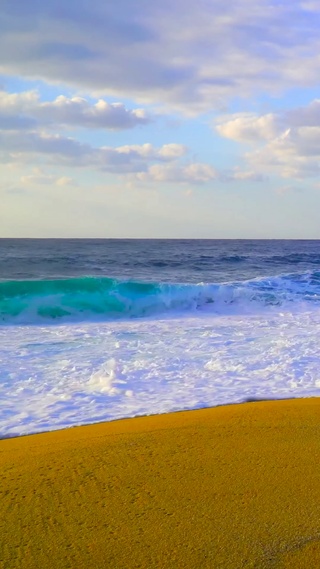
column 94, row 330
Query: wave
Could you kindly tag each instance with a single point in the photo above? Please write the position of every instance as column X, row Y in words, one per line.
column 293, row 259
column 87, row 298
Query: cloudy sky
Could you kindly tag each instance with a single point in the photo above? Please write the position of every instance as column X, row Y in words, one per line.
column 134, row 118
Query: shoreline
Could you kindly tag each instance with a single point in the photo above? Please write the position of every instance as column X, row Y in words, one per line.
column 116, row 420
column 230, row 486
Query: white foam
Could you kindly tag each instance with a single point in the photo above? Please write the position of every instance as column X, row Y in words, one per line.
column 59, row 376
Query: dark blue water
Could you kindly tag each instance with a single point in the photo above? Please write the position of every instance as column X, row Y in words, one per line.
column 183, row 261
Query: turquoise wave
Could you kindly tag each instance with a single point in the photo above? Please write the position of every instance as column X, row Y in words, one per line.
column 36, row 301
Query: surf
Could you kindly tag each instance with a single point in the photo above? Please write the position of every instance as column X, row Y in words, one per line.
column 88, row 298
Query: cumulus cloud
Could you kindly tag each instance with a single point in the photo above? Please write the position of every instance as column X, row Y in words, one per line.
column 248, row 127
column 25, row 111
column 285, row 143
column 195, row 173
column 141, row 163
column 294, row 154
column 29, row 144
column 189, row 55
column 166, row 152
column 65, row 151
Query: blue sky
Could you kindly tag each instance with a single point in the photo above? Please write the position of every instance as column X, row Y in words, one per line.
column 174, row 119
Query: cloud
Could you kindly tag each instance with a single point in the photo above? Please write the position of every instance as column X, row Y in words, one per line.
column 246, row 176
column 311, row 5
column 196, row 173
column 25, row 111
column 166, row 152
column 65, row 151
column 185, row 55
column 308, row 115
column 193, row 173
column 143, row 163
column 286, row 143
column 294, row 154
column 248, row 127
column 40, row 178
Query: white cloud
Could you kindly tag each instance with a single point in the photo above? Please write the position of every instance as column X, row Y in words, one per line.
column 195, row 173
column 171, row 151
column 286, row 143
column 65, row 151
column 199, row 173
column 65, row 181
column 25, row 110
column 193, row 56
column 141, row 163
column 294, row 154
column 147, row 150
column 248, row 127
column 37, row 147
column 247, row 176
column 191, row 173
column 18, row 102
column 40, row 178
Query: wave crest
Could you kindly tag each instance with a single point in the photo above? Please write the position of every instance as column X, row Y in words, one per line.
column 87, row 298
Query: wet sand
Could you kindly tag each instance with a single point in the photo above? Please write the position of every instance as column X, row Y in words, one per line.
column 230, row 487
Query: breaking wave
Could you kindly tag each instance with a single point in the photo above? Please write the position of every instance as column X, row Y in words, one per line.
column 90, row 298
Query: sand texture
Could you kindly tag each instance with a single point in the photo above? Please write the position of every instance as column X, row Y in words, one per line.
column 231, row 487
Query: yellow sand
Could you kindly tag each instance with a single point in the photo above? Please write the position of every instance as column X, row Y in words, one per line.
column 231, row 487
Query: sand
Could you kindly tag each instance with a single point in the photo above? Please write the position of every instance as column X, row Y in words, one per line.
column 230, row 487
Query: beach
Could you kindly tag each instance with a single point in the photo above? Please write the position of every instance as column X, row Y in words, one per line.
column 232, row 486
column 159, row 285
column 125, row 438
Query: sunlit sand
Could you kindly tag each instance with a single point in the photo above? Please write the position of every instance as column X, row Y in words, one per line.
column 230, row 487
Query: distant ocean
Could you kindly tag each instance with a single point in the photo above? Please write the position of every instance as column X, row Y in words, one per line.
column 94, row 330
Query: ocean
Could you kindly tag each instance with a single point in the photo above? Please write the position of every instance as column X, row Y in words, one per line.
column 96, row 330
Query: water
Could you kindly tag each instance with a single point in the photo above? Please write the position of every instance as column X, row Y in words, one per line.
column 173, row 261
column 94, row 330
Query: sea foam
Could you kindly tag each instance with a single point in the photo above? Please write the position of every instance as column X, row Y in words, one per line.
column 64, row 375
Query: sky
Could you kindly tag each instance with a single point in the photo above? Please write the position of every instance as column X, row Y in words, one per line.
column 171, row 119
